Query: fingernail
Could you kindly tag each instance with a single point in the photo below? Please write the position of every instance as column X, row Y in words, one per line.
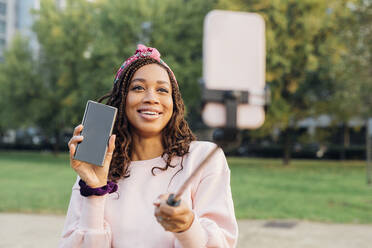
column 157, row 202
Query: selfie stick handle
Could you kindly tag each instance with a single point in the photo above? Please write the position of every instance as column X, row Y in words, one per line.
column 175, row 199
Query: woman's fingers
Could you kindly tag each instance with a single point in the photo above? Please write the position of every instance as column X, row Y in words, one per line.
column 76, row 137
column 72, row 150
column 72, row 144
column 171, row 210
column 176, row 223
column 78, row 130
column 111, row 146
column 109, row 152
column 74, row 140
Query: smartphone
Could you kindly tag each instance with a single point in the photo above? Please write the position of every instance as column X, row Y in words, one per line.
column 98, row 122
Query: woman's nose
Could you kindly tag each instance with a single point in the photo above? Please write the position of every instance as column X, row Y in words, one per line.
column 150, row 97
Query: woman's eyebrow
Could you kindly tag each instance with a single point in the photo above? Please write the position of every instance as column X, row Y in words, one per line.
column 138, row 79
column 162, row 82
column 144, row 80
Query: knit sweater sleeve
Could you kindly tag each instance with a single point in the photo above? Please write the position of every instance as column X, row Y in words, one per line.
column 215, row 223
column 85, row 225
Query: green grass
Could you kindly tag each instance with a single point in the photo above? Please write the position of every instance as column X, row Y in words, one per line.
column 327, row 191
column 35, row 182
column 262, row 188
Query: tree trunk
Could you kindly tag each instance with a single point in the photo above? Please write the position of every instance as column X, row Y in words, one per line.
column 346, row 136
column 56, row 144
column 287, row 147
column 346, row 140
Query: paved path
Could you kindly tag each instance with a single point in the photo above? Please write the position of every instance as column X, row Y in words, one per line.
column 42, row 231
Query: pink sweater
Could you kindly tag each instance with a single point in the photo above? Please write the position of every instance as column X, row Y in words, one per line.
column 126, row 218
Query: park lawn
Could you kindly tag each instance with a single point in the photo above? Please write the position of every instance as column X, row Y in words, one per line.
column 328, row 191
column 35, row 182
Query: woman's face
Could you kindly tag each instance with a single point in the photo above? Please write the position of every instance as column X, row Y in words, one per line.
column 149, row 103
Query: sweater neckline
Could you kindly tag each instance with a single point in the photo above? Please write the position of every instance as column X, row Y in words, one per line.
column 153, row 161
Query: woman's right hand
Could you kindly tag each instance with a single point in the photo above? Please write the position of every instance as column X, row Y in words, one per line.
column 94, row 176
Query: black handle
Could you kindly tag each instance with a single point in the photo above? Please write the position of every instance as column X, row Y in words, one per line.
column 172, row 202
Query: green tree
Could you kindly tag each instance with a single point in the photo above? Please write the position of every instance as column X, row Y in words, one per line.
column 63, row 36
column 19, row 86
column 352, row 75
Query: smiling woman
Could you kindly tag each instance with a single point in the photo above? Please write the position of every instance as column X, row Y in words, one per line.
column 150, row 155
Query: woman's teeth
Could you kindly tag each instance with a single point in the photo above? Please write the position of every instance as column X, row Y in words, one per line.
column 149, row 113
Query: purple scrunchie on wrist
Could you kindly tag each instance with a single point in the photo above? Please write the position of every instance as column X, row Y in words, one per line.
column 85, row 190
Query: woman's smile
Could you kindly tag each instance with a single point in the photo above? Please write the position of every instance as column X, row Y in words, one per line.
column 149, row 114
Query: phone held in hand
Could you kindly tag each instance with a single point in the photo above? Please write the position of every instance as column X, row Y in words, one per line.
column 98, row 122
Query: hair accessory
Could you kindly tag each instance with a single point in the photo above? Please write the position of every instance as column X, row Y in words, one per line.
column 85, row 190
column 142, row 52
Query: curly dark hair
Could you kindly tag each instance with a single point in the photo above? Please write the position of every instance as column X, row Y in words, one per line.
column 176, row 136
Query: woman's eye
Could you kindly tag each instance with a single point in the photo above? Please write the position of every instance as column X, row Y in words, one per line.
column 137, row 87
column 164, row 90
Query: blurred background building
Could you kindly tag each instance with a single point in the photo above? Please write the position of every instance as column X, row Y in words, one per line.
column 3, row 29
column 16, row 16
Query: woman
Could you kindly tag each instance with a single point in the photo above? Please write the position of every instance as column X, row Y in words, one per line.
column 150, row 155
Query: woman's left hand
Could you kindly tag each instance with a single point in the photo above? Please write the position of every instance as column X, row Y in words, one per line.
column 173, row 219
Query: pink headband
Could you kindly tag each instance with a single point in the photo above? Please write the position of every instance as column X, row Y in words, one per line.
column 142, row 52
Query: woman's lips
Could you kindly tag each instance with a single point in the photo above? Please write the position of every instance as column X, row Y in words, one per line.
column 149, row 115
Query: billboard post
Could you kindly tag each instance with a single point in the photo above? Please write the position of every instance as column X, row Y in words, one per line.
column 369, row 151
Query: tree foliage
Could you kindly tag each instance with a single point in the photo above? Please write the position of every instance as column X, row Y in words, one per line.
column 19, row 86
column 353, row 74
